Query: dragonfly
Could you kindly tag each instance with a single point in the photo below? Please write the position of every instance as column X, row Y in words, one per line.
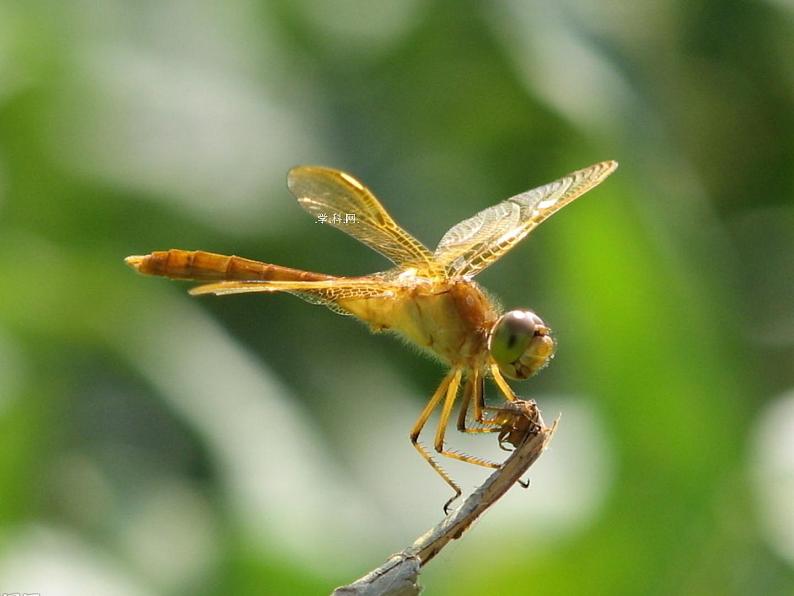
column 428, row 297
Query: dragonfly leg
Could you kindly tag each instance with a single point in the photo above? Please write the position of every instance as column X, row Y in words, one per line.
column 446, row 411
column 473, row 396
column 502, row 384
column 452, row 378
column 513, row 420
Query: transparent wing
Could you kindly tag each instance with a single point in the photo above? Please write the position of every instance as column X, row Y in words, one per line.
column 346, row 204
column 339, row 288
column 477, row 242
column 330, row 293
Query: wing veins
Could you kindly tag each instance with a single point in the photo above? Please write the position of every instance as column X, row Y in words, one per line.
column 327, row 192
column 477, row 242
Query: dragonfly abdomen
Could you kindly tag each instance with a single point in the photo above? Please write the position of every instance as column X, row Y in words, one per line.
column 199, row 265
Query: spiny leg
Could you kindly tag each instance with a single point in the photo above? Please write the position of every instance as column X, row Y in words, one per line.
column 422, row 420
column 442, row 427
column 449, row 402
column 473, row 394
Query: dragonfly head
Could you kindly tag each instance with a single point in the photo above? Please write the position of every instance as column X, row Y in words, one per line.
column 521, row 344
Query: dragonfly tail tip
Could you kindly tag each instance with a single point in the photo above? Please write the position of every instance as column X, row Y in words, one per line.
column 134, row 261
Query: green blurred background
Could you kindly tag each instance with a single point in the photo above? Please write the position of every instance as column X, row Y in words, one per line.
column 153, row 443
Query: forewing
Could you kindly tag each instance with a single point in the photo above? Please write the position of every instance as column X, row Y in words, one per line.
column 343, row 202
column 475, row 243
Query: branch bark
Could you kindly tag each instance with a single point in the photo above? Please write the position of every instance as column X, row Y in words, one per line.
column 523, row 427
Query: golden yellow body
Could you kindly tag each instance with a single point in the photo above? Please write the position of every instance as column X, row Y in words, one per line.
column 429, row 298
column 449, row 319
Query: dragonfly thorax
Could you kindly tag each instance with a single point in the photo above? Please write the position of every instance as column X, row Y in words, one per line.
column 521, row 344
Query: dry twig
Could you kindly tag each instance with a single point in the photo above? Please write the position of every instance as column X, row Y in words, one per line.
column 523, row 427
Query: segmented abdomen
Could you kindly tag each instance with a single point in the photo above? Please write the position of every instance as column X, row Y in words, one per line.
column 206, row 266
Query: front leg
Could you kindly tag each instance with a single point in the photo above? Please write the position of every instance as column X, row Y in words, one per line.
column 514, row 420
column 502, row 384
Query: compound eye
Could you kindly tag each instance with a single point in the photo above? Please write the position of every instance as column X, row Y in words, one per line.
column 521, row 344
column 511, row 335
